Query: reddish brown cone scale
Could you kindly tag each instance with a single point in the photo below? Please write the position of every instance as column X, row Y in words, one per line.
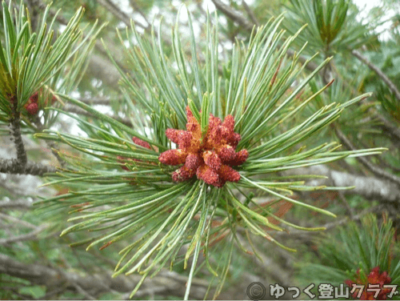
column 374, row 278
column 210, row 158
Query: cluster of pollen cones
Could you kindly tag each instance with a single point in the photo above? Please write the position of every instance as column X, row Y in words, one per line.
column 374, row 278
column 209, row 157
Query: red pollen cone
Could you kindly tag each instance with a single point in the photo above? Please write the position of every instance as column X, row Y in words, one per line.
column 209, row 156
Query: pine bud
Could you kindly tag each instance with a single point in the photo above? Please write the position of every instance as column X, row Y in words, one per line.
column 32, row 108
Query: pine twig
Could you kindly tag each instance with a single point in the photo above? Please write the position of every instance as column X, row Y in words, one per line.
column 234, row 15
column 110, row 6
column 53, row 279
column 20, row 165
column 36, row 169
column 374, row 169
column 136, row 7
column 22, row 158
column 250, row 13
column 379, row 72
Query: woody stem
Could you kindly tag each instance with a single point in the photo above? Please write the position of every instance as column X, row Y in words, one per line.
column 22, row 158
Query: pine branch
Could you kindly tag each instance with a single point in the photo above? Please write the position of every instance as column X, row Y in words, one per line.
column 20, row 204
column 93, row 284
column 36, row 169
column 234, row 15
column 136, row 7
column 374, row 169
column 30, row 236
column 379, row 72
column 20, row 165
column 110, row 6
column 368, row 187
column 16, row 133
column 250, row 13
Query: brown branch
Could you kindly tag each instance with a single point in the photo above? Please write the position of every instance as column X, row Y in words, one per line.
column 234, row 15
column 20, row 165
column 379, row 72
column 36, row 169
column 136, row 7
column 16, row 133
column 52, row 279
column 111, row 7
column 250, row 13
column 374, row 169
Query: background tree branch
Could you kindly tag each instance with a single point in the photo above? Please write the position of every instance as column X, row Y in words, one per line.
column 379, row 72
column 369, row 187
